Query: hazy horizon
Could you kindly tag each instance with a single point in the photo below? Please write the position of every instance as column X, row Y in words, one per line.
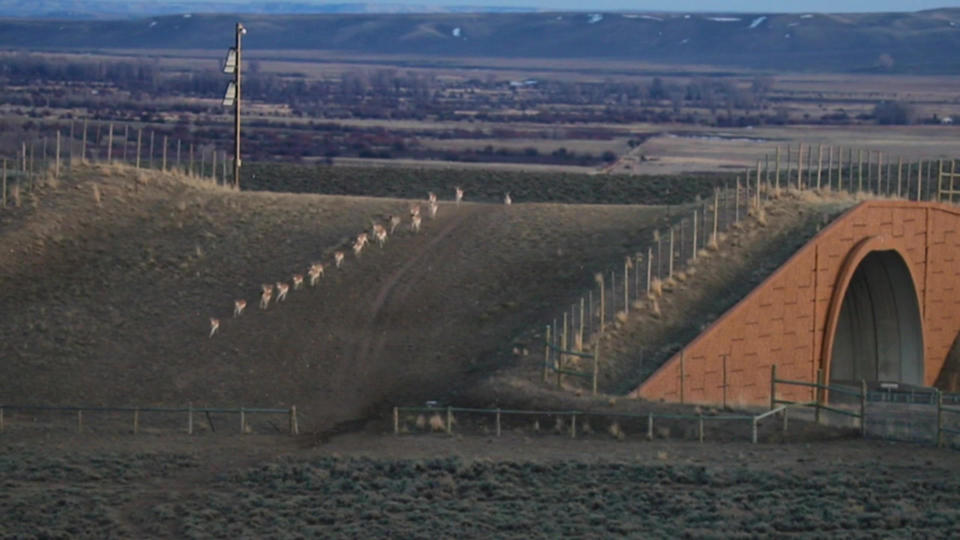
column 758, row 6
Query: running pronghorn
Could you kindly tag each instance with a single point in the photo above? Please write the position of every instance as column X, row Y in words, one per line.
column 414, row 210
column 338, row 258
column 380, row 234
column 297, row 281
column 282, row 290
column 507, row 200
column 316, row 270
column 459, row 195
column 214, row 325
column 415, row 223
column 360, row 244
column 431, row 197
column 238, row 307
column 433, row 209
column 394, row 223
column 266, row 295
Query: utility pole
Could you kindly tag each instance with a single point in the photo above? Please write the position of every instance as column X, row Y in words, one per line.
column 233, row 96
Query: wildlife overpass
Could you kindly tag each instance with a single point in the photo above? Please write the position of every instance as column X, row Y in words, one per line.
column 874, row 296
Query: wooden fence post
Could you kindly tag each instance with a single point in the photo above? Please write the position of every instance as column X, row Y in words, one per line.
column 294, row 424
column 150, row 154
column 819, row 164
column 670, row 262
column 79, row 421
column 563, row 348
column 126, row 140
column 190, row 419
column 649, row 269
column 178, row 155
column 243, row 421
column 163, row 163
column 449, row 421
column 800, row 167
column 860, row 171
column 546, row 355
column 83, row 144
column 139, row 141
column 899, row 176
column 626, row 285
column 694, row 254
column 573, row 426
column 498, row 422
column 649, row 426
column 753, row 437
column 213, row 167
column 1, row 419
column 596, row 365
column 580, row 339
column 396, row 421
column 776, row 178
column 136, row 421
column 56, row 167
column 110, row 143
column 773, row 387
column 785, row 415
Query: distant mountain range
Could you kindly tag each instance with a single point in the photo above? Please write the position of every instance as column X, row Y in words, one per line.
column 919, row 42
column 112, row 9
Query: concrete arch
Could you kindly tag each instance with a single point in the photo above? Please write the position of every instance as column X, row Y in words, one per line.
column 874, row 328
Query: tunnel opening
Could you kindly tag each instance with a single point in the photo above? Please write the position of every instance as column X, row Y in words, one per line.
column 879, row 335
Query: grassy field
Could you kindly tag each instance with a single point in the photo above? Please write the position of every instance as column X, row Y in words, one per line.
column 471, row 487
column 118, row 272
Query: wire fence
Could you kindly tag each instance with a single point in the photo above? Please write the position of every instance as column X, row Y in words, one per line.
column 442, row 419
column 670, row 256
column 51, row 151
column 189, row 415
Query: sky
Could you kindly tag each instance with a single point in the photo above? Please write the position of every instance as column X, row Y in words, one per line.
column 758, row 6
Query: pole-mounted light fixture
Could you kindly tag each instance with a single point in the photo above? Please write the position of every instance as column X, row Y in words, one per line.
column 232, row 98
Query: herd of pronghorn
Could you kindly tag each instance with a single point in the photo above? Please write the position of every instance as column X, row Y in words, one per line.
column 316, row 269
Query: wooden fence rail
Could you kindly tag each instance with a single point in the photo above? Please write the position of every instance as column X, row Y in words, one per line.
column 291, row 413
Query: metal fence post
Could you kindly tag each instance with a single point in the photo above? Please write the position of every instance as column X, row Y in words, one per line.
column 190, row 419
column 396, row 421
column 819, row 396
column 649, row 426
column 294, row 426
column 136, row 421
column 939, row 419
column 498, row 422
column 243, row 421
column 863, row 408
column 773, row 386
column 449, row 421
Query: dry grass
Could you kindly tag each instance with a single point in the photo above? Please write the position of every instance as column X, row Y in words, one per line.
column 616, row 431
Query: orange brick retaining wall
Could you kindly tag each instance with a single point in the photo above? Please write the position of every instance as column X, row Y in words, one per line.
column 785, row 320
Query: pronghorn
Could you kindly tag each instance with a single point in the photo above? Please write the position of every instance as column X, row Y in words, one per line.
column 316, row 270
column 238, row 307
column 297, row 281
column 433, row 209
column 214, row 325
column 507, row 200
column 394, row 223
column 363, row 238
column 358, row 247
column 380, row 234
column 414, row 210
column 282, row 290
column 266, row 295
column 459, row 195
column 431, row 197
column 338, row 258
column 415, row 224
